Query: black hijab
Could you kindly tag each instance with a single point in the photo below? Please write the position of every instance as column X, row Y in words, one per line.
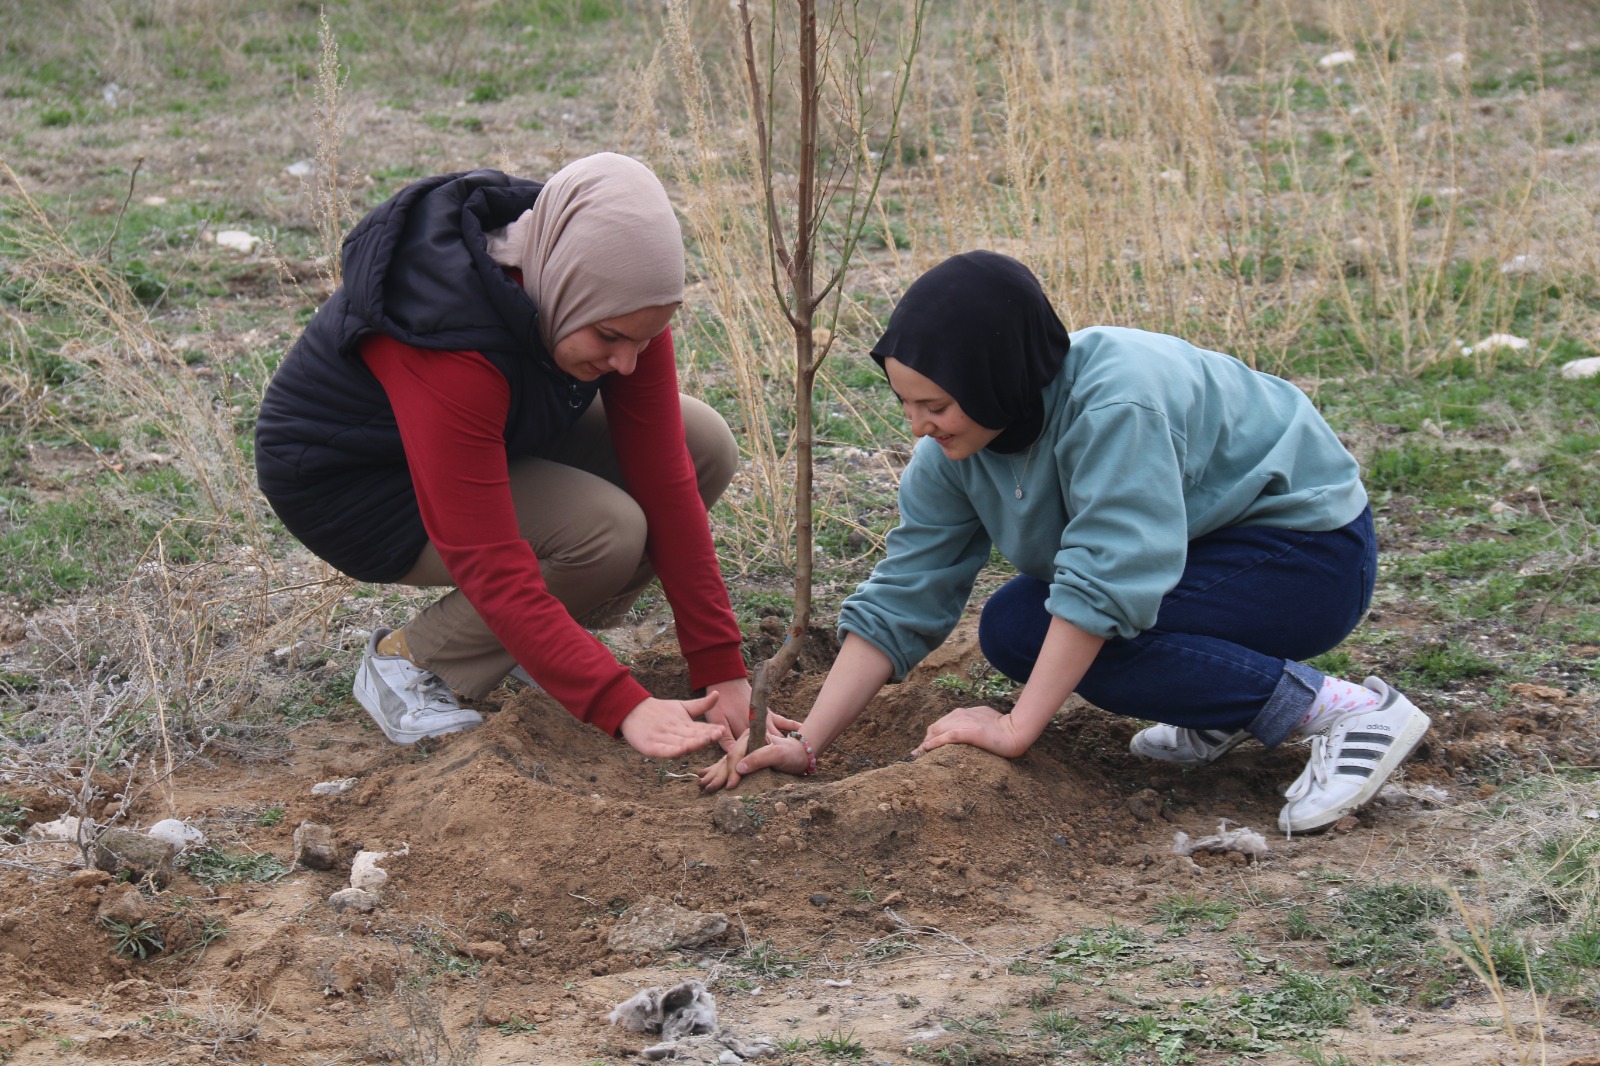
column 980, row 327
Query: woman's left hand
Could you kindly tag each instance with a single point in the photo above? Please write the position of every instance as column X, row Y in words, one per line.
column 732, row 709
column 981, row 727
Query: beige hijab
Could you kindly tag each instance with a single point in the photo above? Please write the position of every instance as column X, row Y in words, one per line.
column 600, row 241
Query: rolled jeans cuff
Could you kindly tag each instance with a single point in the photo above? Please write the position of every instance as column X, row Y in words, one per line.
column 1286, row 708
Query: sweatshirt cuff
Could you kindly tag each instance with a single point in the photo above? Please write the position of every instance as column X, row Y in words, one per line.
column 616, row 702
column 722, row 662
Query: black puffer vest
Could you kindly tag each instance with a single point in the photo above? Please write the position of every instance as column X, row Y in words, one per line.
column 328, row 452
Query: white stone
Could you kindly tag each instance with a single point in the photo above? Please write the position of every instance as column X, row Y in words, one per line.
column 238, row 240
column 354, row 899
column 1501, row 340
column 178, row 833
column 63, row 828
column 365, row 873
column 333, row 788
column 1335, row 59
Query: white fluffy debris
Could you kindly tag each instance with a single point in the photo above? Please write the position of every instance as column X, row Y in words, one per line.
column 1336, row 59
column 1244, row 840
column 683, row 1010
column 177, row 832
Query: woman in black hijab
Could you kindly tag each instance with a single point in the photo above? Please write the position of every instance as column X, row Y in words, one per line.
column 1186, row 531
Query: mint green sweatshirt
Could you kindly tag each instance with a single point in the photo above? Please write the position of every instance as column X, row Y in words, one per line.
column 1148, row 443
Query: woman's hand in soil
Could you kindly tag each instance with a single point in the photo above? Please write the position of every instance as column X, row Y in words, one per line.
column 666, row 729
column 733, row 710
column 779, row 753
column 981, row 727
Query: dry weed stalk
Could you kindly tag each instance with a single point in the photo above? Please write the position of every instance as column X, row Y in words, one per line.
column 1528, row 1051
column 408, row 1025
column 330, row 203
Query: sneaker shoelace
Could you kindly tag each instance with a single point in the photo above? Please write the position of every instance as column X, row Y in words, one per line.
column 436, row 697
column 1316, row 769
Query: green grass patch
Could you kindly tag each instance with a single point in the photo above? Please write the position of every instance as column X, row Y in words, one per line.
column 213, row 866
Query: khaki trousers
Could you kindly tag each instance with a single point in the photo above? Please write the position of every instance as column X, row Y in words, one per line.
column 587, row 532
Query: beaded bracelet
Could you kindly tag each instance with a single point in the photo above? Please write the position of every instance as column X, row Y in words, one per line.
column 811, row 756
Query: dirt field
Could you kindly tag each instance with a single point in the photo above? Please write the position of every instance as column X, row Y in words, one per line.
column 908, row 906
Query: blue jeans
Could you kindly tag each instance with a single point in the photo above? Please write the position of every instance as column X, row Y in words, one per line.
column 1224, row 651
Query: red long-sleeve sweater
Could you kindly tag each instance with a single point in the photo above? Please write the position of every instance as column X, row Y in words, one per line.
column 451, row 407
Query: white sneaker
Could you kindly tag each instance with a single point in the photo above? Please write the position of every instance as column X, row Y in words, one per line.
column 1351, row 759
column 406, row 701
column 1186, row 747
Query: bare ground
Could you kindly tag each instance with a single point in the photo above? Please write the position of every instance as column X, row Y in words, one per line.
column 907, row 905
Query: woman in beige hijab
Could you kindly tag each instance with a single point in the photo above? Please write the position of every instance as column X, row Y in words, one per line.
column 490, row 402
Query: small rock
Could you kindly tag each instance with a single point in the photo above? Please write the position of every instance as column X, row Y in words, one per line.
column 238, row 240
column 1335, row 59
column 1145, row 805
column 315, row 847
column 820, row 899
column 1581, row 368
column 486, row 950
column 123, row 903
column 731, row 815
column 354, row 899
column 1346, row 824
column 1495, row 341
column 654, row 924
column 64, row 828
column 333, row 788
column 122, row 851
column 89, row 878
column 657, row 1052
column 365, row 872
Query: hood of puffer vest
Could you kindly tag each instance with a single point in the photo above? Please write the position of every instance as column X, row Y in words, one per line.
column 417, row 266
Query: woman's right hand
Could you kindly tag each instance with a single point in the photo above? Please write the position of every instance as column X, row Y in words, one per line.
column 666, row 729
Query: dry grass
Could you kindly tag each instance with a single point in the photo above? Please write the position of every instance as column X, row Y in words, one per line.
column 1203, row 178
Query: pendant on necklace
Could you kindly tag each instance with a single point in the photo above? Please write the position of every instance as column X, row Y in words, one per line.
column 1019, row 492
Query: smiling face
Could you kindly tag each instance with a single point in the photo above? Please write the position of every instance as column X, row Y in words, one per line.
column 933, row 413
column 611, row 345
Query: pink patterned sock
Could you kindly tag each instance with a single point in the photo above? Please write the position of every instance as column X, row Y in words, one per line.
column 1337, row 699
